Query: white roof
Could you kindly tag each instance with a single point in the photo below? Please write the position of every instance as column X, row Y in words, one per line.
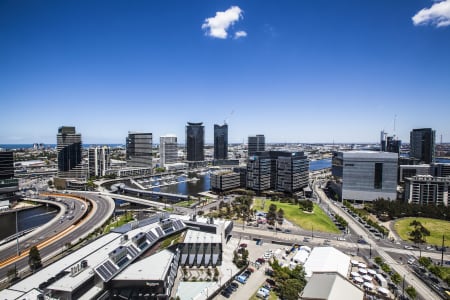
column 327, row 259
column 301, row 256
column 43, row 275
column 199, row 237
column 160, row 264
column 330, row 286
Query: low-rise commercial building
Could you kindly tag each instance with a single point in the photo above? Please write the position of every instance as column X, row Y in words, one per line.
column 427, row 190
column 222, row 181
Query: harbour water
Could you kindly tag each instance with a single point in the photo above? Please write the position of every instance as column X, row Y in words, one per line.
column 319, row 164
column 29, row 218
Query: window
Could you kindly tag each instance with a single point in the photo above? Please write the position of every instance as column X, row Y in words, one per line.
column 378, row 178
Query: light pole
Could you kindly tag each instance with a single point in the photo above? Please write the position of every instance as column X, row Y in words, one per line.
column 312, row 232
column 370, row 250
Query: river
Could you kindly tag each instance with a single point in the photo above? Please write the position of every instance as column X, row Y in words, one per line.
column 28, row 218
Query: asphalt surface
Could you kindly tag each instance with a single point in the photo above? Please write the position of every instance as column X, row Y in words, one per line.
column 53, row 236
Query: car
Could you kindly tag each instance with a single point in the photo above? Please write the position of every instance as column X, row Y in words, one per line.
column 362, row 241
column 287, row 230
column 260, row 260
column 234, row 285
column 241, row 279
column 225, row 294
column 408, row 247
column 429, row 248
column 341, row 238
column 243, row 245
column 305, row 240
column 270, row 227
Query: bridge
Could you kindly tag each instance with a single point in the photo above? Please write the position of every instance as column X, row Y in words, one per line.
column 123, row 188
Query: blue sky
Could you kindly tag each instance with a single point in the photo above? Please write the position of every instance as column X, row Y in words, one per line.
column 295, row 71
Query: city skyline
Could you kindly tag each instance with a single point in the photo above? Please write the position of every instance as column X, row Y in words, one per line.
column 297, row 72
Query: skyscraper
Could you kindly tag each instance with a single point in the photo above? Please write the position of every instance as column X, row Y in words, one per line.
column 195, row 141
column 69, row 153
column 256, row 144
column 139, row 149
column 422, row 143
column 8, row 184
column 99, row 160
column 168, row 149
column 220, row 141
column 389, row 143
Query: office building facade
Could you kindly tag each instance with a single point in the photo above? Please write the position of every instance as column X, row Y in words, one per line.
column 220, row 141
column 195, row 142
column 422, row 145
column 427, row 190
column 292, row 172
column 8, row 184
column 139, row 150
column 168, row 150
column 278, row 170
column 256, row 143
column 69, row 150
column 99, row 161
column 225, row 181
column 366, row 175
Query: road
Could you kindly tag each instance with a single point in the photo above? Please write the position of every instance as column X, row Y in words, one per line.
column 52, row 237
column 424, row 291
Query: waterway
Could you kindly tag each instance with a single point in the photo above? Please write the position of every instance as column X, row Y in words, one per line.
column 185, row 184
column 29, row 218
column 319, row 164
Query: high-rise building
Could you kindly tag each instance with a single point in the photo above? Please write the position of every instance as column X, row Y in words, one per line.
column 195, row 142
column 139, row 149
column 168, row 150
column 8, row 184
column 99, row 161
column 220, row 141
column 422, row 143
column 292, row 172
column 366, row 175
column 69, row 153
column 278, row 170
column 390, row 143
column 256, row 143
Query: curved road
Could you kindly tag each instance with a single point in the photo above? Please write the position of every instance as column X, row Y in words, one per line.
column 53, row 236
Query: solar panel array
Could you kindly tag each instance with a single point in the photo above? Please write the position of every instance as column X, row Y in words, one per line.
column 159, row 231
column 108, row 269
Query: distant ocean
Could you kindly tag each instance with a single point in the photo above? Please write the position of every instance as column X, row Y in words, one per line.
column 28, row 146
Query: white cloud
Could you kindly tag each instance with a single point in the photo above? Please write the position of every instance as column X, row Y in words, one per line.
column 438, row 14
column 217, row 26
column 240, row 34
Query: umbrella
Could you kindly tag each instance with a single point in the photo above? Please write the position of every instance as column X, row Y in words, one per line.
column 382, row 290
column 362, row 271
column 354, row 274
column 361, row 265
column 354, row 262
column 367, row 278
column 372, row 272
column 368, row 285
column 358, row 280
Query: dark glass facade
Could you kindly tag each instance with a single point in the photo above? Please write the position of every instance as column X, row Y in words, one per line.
column 195, row 141
column 422, row 143
column 69, row 153
column 220, row 141
column 378, row 176
column 6, row 164
column 139, row 150
column 256, row 143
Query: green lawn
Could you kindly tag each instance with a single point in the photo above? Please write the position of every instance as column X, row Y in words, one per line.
column 318, row 220
column 436, row 227
column 186, row 203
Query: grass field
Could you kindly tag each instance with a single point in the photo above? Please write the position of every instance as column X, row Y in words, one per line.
column 436, row 227
column 318, row 220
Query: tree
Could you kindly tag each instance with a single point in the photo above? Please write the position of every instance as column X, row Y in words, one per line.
column 34, row 259
column 280, row 216
column 271, row 214
column 411, row 291
column 396, row 278
column 378, row 260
